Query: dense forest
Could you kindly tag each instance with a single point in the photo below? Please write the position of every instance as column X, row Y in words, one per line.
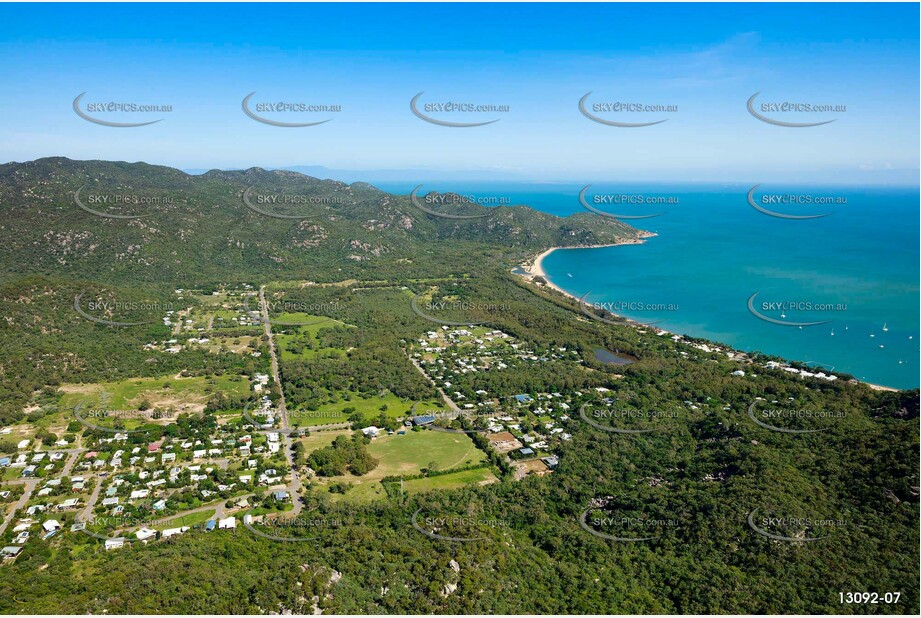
column 694, row 486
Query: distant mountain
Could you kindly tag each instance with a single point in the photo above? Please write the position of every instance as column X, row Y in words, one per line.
column 390, row 175
column 107, row 220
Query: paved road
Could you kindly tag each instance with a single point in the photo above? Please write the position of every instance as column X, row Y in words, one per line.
column 444, row 395
column 294, row 486
column 87, row 512
column 74, row 454
column 30, row 484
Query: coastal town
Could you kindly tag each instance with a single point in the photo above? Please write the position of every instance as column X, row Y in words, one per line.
column 98, row 471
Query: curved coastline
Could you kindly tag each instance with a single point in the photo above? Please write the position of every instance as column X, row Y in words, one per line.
column 532, row 269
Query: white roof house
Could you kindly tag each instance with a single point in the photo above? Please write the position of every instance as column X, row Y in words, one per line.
column 145, row 533
column 174, row 531
column 229, row 522
column 51, row 525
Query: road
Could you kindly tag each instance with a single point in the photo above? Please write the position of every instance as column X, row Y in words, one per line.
column 30, row 484
column 74, row 454
column 444, row 395
column 294, row 487
column 87, row 512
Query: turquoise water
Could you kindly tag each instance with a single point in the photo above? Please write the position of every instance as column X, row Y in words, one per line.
column 713, row 251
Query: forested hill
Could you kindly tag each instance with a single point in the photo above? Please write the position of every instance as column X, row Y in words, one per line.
column 113, row 221
column 726, row 513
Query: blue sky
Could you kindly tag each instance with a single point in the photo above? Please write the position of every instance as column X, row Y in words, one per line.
column 538, row 59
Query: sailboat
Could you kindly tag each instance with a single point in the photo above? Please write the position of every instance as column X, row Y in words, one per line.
column 885, row 327
column 833, row 332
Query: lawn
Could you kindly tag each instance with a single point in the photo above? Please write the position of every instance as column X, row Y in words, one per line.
column 370, row 409
column 319, row 439
column 408, row 455
column 187, row 520
column 478, row 476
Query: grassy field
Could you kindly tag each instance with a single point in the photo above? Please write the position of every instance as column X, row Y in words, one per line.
column 313, row 324
column 238, row 344
column 479, row 476
column 319, row 439
column 183, row 394
column 408, row 455
column 370, row 408
column 188, row 520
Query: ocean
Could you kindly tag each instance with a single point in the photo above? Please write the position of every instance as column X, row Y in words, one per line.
column 839, row 292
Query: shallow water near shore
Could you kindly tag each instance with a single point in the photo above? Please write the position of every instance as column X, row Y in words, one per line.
column 855, row 270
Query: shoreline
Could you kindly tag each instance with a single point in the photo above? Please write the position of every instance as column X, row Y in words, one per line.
column 533, row 268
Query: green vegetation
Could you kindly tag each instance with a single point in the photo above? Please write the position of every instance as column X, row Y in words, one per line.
column 451, row 480
column 343, row 455
column 706, row 471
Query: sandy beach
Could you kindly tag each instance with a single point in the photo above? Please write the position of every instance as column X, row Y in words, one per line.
column 534, row 268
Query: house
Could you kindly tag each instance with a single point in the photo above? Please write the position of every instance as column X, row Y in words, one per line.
column 159, row 505
column 4, row 462
column 145, row 533
column 23, row 444
column 420, row 421
column 523, row 398
column 526, row 451
column 210, row 524
column 51, row 525
column 116, row 543
column 9, row 552
column 227, row 523
column 371, row 432
column 173, row 532
column 70, row 503
column 282, row 496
